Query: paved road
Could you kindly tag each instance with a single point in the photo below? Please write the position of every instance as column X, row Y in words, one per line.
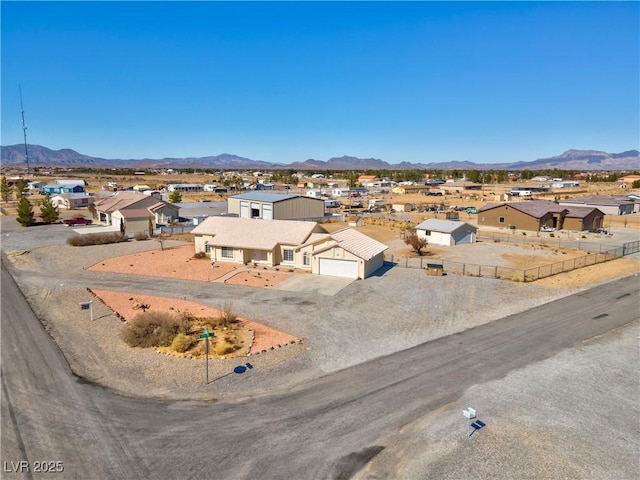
column 326, row 428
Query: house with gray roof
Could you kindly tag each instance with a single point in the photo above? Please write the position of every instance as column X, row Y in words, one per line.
column 446, row 232
column 608, row 204
column 275, row 206
column 290, row 244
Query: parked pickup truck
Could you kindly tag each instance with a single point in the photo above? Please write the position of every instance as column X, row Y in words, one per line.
column 71, row 222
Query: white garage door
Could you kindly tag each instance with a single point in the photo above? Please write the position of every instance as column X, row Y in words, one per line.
column 338, row 268
column 244, row 210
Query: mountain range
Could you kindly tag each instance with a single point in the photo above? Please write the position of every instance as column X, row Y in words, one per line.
column 582, row 160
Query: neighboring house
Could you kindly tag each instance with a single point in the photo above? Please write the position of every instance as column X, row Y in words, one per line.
column 316, row 193
column 565, row 184
column 185, row 187
column 362, row 179
column 63, row 186
column 635, row 198
column 275, row 206
column 402, row 207
column 446, row 232
column 460, row 187
column 141, row 188
column 288, row 243
column 609, row 204
column 536, row 214
column 72, row 200
column 35, row 186
column 340, row 192
column 583, row 218
column 408, row 189
column 135, row 212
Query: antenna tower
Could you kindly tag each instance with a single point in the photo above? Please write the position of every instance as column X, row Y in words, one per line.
column 24, row 131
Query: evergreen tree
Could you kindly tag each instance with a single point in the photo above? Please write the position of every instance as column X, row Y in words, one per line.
column 21, row 187
column 25, row 213
column 175, row 197
column 48, row 211
column 4, row 189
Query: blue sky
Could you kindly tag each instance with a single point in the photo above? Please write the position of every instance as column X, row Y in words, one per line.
column 288, row 81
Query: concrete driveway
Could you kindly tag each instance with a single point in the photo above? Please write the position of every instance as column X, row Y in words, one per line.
column 320, row 284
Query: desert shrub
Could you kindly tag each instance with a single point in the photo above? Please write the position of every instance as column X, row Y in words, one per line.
column 415, row 242
column 141, row 236
column 181, row 343
column 552, row 234
column 96, row 239
column 227, row 317
column 153, row 329
column 200, row 255
column 224, row 347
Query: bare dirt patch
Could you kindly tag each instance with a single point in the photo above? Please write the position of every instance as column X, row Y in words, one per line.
column 256, row 278
column 174, row 262
column 592, row 274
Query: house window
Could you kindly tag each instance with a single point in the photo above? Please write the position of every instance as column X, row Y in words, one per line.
column 207, row 247
column 427, row 233
column 306, row 259
column 227, row 252
column 287, row 255
column 500, row 219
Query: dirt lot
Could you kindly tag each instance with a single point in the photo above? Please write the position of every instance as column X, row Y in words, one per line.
column 179, row 262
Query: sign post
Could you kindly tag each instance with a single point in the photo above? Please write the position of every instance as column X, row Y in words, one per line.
column 469, row 413
column 206, row 334
column 87, row 306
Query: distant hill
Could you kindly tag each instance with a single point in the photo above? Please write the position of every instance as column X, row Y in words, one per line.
column 582, row 160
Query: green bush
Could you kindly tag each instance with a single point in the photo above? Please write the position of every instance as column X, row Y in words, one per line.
column 96, row 239
column 200, row 255
column 181, row 343
column 153, row 329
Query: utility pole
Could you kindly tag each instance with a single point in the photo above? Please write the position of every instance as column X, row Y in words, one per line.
column 24, row 131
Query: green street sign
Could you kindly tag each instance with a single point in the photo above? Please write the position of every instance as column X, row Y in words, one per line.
column 207, row 334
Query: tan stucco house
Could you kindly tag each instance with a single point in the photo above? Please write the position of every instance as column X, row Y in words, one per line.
column 536, row 214
column 135, row 212
column 289, row 243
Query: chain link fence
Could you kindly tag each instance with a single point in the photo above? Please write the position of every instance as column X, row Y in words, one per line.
column 518, row 274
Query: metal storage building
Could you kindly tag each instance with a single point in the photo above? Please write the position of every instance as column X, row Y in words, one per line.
column 275, row 206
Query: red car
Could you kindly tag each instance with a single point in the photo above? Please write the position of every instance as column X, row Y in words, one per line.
column 71, row 222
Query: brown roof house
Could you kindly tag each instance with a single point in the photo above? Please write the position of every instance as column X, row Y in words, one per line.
column 538, row 214
column 135, row 212
column 289, row 243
